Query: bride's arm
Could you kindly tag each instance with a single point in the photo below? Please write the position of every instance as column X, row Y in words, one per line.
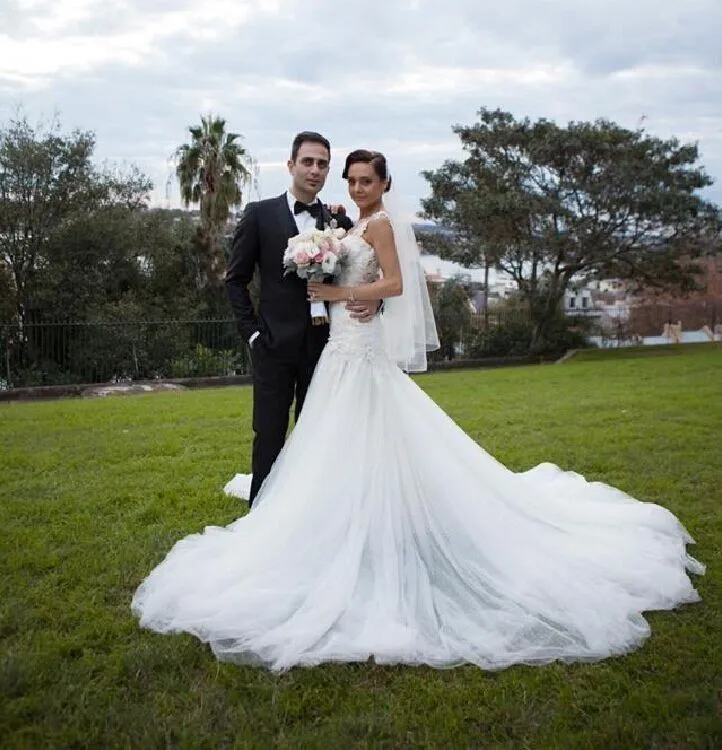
column 380, row 236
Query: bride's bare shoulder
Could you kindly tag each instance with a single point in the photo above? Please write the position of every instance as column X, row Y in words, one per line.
column 380, row 217
column 378, row 223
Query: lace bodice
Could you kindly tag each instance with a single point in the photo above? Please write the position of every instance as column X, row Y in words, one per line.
column 349, row 336
column 361, row 266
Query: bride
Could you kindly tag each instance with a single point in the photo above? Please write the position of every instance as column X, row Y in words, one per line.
column 385, row 532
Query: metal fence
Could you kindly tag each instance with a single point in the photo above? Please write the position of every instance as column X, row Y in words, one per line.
column 39, row 353
column 56, row 353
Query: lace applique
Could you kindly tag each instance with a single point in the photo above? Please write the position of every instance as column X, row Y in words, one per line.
column 360, row 227
column 352, row 350
column 360, row 265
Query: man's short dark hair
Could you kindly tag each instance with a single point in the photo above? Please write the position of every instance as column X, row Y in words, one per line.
column 308, row 136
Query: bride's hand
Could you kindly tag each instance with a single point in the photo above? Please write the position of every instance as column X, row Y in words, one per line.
column 320, row 292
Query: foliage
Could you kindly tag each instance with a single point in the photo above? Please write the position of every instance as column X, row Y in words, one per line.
column 553, row 205
column 452, row 314
column 513, row 336
column 211, row 171
column 47, row 179
column 121, row 347
column 7, row 293
column 202, row 362
column 506, row 330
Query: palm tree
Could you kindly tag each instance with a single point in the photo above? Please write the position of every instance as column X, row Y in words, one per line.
column 211, row 171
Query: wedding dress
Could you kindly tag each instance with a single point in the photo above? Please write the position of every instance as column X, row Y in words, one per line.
column 384, row 531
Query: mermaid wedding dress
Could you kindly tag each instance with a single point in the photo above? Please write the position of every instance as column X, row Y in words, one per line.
column 384, row 531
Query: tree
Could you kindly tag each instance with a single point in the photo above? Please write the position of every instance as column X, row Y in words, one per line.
column 555, row 205
column 211, row 171
column 47, row 180
column 177, row 266
column 467, row 250
column 67, row 244
column 7, row 306
column 452, row 316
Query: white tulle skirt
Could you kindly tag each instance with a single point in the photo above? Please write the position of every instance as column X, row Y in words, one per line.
column 384, row 531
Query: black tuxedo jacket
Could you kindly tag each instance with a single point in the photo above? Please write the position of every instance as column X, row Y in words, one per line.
column 260, row 239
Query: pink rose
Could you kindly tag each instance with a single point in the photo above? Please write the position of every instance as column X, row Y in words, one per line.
column 318, row 257
column 303, row 258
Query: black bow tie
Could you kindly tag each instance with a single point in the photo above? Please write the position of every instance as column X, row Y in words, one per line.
column 315, row 209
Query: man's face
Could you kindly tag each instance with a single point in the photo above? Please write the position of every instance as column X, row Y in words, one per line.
column 310, row 169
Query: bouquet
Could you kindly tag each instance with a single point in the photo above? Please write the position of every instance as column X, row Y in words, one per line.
column 315, row 255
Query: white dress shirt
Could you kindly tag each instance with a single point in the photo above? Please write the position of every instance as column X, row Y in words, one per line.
column 304, row 220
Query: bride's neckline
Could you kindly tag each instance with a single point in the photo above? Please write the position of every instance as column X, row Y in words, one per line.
column 363, row 222
column 371, row 215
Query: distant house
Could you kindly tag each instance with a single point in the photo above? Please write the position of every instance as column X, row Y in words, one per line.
column 501, row 286
column 434, row 277
column 578, row 300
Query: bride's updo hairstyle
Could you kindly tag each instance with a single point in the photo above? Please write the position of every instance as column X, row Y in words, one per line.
column 375, row 158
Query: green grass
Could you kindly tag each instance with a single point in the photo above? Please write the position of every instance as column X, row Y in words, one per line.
column 94, row 492
column 663, row 350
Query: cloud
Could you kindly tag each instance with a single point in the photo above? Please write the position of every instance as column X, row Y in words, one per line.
column 392, row 76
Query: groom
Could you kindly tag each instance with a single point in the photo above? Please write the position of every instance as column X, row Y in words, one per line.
column 285, row 345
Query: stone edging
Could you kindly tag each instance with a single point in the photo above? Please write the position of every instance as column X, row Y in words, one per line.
column 45, row 392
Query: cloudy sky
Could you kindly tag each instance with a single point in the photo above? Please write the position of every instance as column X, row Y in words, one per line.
column 393, row 75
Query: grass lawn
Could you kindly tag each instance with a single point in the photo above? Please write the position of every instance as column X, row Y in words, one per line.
column 94, row 492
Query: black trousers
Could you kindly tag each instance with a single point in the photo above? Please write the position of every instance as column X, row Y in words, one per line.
column 277, row 380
